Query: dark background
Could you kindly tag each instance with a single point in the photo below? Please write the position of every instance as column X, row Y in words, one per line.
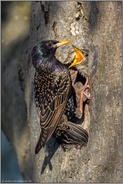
column 15, row 20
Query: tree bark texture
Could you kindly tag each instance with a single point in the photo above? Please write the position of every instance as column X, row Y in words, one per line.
column 86, row 24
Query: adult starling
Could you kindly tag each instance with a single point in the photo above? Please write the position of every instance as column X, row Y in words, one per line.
column 51, row 87
column 53, row 90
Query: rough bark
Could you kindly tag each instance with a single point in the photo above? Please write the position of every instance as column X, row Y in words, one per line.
column 86, row 24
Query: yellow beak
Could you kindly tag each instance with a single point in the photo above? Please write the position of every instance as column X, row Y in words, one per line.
column 79, row 58
column 64, row 42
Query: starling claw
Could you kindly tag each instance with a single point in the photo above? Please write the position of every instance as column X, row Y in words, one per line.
column 86, row 86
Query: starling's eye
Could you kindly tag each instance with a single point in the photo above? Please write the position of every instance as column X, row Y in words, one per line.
column 49, row 44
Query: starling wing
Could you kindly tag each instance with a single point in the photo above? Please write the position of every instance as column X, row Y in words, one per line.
column 70, row 134
column 51, row 94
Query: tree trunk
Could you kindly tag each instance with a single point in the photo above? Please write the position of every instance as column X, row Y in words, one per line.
column 87, row 24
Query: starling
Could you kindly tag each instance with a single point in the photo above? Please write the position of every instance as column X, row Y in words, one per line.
column 51, row 87
column 53, row 94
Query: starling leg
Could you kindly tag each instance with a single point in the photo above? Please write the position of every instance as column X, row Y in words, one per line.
column 83, row 93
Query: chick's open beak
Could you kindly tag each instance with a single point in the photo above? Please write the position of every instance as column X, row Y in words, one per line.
column 79, row 58
column 64, row 42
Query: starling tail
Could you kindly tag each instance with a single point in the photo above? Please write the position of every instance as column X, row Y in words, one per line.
column 70, row 134
column 41, row 141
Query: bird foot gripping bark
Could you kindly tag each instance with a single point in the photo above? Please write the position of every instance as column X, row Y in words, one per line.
column 82, row 92
column 82, row 95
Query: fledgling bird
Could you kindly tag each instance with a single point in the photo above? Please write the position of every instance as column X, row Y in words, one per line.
column 77, row 62
column 52, row 89
column 78, row 59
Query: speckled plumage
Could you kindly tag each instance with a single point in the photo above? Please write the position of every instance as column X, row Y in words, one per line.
column 70, row 135
column 52, row 89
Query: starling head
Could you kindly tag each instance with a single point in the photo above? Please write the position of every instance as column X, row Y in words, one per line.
column 45, row 49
